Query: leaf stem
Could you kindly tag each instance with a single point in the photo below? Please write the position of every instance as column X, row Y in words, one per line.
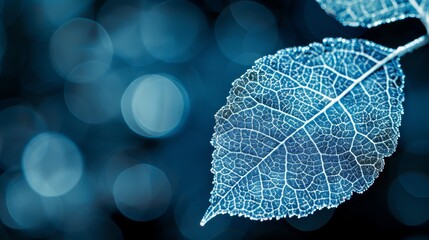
column 418, row 42
column 424, row 18
column 411, row 46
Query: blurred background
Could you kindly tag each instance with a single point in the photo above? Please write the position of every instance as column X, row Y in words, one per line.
column 106, row 113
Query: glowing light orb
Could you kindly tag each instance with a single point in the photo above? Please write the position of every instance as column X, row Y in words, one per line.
column 142, row 192
column 81, row 50
column 52, row 164
column 154, row 105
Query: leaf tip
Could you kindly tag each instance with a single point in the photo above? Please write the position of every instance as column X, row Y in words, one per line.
column 210, row 213
column 203, row 222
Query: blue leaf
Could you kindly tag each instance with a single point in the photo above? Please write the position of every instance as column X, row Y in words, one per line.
column 375, row 12
column 305, row 128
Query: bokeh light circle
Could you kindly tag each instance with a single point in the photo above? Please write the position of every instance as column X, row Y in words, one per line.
column 58, row 12
column 142, row 192
column 97, row 101
column 123, row 23
column 173, row 31
column 246, row 31
column 154, row 105
column 6, row 179
column 415, row 183
column 81, row 50
column 18, row 124
column 405, row 206
column 52, row 164
column 312, row 222
column 118, row 162
column 188, row 211
column 24, row 205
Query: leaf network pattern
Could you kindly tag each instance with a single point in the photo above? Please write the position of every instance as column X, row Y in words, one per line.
column 305, row 128
column 374, row 12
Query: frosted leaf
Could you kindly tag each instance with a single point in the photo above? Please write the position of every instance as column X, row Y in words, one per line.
column 305, row 128
column 375, row 12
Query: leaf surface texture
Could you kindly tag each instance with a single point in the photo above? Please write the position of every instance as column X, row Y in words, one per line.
column 305, row 128
column 370, row 13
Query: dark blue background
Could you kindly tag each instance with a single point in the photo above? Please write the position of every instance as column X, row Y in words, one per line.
column 393, row 206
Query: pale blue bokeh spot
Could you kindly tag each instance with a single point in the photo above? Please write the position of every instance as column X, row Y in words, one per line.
column 58, row 12
column 154, row 105
column 312, row 222
column 245, row 31
column 27, row 208
column 123, row 23
column 142, row 192
column 97, row 101
column 81, row 50
column 52, row 164
column 415, row 183
column 406, row 207
column 173, row 31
